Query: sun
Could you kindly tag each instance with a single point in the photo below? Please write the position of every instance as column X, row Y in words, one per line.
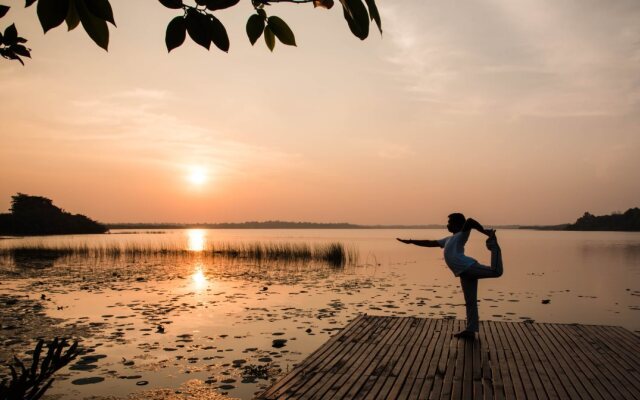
column 197, row 176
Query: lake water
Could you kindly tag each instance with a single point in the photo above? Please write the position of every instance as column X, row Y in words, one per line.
column 220, row 316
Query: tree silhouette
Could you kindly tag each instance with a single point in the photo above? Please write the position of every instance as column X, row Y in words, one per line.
column 198, row 20
column 36, row 215
column 627, row 221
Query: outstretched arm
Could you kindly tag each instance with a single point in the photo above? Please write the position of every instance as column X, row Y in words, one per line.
column 421, row 243
column 473, row 224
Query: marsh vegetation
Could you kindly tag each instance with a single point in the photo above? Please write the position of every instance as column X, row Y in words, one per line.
column 334, row 253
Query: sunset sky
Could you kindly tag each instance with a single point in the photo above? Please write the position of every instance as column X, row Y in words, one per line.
column 514, row 112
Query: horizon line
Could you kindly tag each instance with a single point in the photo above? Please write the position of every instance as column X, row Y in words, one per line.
column 309, row 223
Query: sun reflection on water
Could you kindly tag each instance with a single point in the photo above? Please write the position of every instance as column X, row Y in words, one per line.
column 196, row 239
column 199, row 279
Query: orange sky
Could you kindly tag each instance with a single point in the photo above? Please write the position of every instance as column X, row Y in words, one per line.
column 513, row 112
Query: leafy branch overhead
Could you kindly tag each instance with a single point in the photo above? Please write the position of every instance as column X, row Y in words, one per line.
column 12, row 45
column 198, row 20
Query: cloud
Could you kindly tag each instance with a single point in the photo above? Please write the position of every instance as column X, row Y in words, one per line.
column 138, row 124
column 392, row 151
column 527, row 57
column 142, row 94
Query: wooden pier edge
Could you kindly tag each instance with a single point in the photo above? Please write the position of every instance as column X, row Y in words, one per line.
column 383, row 357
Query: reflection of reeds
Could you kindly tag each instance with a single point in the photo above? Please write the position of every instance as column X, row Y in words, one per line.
column 335, row 254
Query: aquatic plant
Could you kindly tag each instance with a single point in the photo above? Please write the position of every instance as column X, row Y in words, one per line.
column 31, row 383
column 266, row 371
column 334, row 254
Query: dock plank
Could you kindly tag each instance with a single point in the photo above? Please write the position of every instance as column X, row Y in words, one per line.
column 377, row 357
column 491, row 381
column 433, row 384
column 552, row 386
column 350, row 359
column 524, row 386
column 609, row 350
column 379, row 362
column 511, row 382
column 607, row 379
column 403, row 380
column 528, row 360
column 430, row 354
column 582, row 382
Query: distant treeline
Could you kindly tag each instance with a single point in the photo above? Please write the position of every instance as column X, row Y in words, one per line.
column 627, row 221
column 560, row 227
column 265, row 225
column 35, row 215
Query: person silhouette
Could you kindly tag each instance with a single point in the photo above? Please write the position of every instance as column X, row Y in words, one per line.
column 466, row 268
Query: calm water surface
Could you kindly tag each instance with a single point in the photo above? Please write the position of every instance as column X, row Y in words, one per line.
column 220, row 316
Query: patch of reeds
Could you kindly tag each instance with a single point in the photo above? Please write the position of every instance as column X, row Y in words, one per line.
column 334, row 254
column 330, row 253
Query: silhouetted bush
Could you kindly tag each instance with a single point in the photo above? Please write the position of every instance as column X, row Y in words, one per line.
column 35, row 215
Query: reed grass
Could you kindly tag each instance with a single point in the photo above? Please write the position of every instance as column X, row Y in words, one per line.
column 334, row 254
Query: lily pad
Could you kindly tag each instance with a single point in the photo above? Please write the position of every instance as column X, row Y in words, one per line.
column 87, row 381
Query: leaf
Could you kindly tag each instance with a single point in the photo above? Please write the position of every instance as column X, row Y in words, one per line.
column 281, row 30
column 373, row 12
column 323, row 3
column 23, row 370
column 198, row 28
column 52, row 13
column 220, row 4
column 101, row 9
column 95, row 27
column 255, row 26
column 72, row 19
column 4, row 10
column 175, row 4
column 14, row 375
column 41, row 391
column 219, row 35
column 10, row 35
column 58, row 352
column 36, row 357
column 72, row 353
column 269, row 38
column 176, row 33
column 262, row 13
column 21, row 50
column 29, row 2
column 357, row 17
column 47, row 359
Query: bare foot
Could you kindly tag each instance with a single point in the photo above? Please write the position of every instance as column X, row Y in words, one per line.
column 465, row 335
column 492, row 242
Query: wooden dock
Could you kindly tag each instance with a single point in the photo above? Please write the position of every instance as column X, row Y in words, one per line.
column 417, row 358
